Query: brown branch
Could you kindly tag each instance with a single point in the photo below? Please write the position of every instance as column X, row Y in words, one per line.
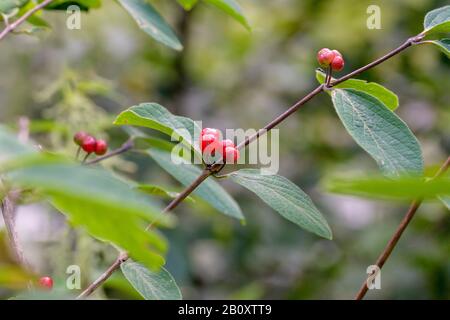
column 397, row 234
column 215, row 168
column 10, row 27
column 128, row 145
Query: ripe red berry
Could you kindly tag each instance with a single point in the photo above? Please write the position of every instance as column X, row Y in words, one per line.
column 231, row 154
column 212, row 131
column 101, row 147
column 337, row 64
column 79, row 137
column 89, row 144
column 46, row 283
column 325, row 56
column 206, row 140
column 336, row 53
column 227, row 143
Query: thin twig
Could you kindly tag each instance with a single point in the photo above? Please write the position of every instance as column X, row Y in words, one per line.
column 128, row 145
column 397, row 234
column 215, row 168
column 11, row 26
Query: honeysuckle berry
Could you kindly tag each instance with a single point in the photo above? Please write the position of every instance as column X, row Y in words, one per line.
column 231, row 154
column 101, row 147
column 212, row 131
column 79, row 137
column 227, row 143
column 206, row 140
column 337, row 64
column 336, row 53
column 46, row 283
column 325, row 56
column 89, row 144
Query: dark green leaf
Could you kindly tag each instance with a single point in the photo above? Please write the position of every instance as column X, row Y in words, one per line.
column 443, row 44
column 84, row 5
column 437, row 21
column 151, row 22
column 209, row 190
column 285, row 198
column 232, row 8
column 386, row 96
column 151, row 285
column 106, row 206
column 379, row 131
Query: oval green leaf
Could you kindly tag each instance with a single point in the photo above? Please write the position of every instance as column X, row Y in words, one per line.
column 151, row 285
column 151, row 22
column 379, row 131
column 285, row 198
column 232, row 8
column 209, row 190
column 443, row 45
column 437, row 21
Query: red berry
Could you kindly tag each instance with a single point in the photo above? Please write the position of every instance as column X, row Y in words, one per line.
column 227, row 143
column 325, row 56
column 89, row 144
column 337, row 64
column 231, row 154
column 79, row 137
column 46, row 283
column 101, row 147
column 212, row 131
column 206, row 140
column 336, row 53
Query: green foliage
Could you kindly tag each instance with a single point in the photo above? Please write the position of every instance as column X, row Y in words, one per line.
column 107, row 207
column 155, row 116
column 84, row 5
column 379, row 132
column 151, row 22
column 443, row 45
column 187, row 4
column 159, row 191
column 404, row 188
column 232, row 8
column 151, row 285
column 209, row 190
column 445, row 201
column 285, row 198
column 11, row 148
column 386, row 96
column 6, row 6
column 437, row 21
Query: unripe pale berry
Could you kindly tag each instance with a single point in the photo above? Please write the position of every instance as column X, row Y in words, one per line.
column 46, row 283
column 227, row 143
column 212, row 131
column 79, row 137
column 325, row 56
column 337, row 64
column 89, row 144
column 101, row 147
column 231, row 154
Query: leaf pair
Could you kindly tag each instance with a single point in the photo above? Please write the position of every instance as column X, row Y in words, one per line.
column 438, row 22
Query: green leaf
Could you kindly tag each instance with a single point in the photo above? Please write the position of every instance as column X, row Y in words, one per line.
column 155, row 116
column 151, row 285
column 107, row 207
column 437, row 21
column 84, row 5
column 187, row 4
column 445, row 201
column 386, row 96
column 232, row 8
column 382, row 188
column 443, row 44
column 159, row 191
column 11, row 148
column 151, row 22
column 285, row 198
column 379, row 132
column 6, row 6
column 209, row 190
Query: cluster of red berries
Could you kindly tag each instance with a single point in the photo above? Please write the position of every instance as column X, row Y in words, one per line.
column 46, row 283
column 89, row 144
column 210, row 143
column 332, row 58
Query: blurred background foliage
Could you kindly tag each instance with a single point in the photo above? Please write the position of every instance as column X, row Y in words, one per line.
column 67, row 80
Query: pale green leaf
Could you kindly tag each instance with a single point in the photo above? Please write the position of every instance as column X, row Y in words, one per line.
column 159, row 191
column 209, row 190
column 437, row 21
column 6, row 6
column 151, row 22
column 379, row 131
column 232, row 8
column 285, row 198
column 187, row 4
column 443, row 45
column 151, row 285
column 386, row 96
column 445, row 201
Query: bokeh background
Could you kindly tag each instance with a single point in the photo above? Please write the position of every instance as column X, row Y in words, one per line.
column 66, row 80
